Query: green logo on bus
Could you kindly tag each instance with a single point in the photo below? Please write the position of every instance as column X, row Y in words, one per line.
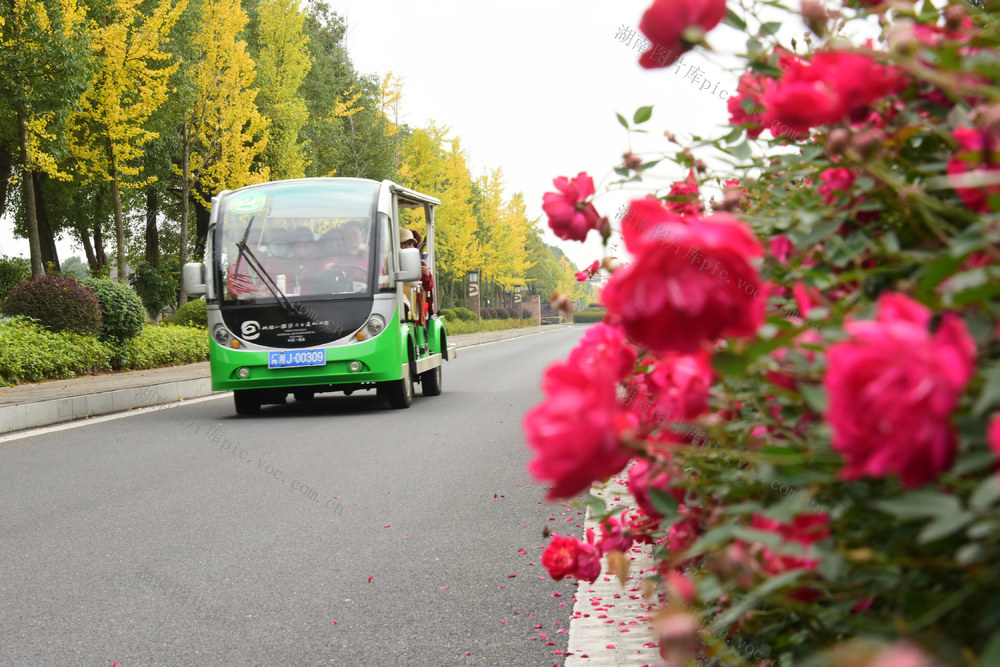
column 251, row 202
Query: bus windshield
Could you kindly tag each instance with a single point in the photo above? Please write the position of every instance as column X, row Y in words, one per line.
column 310, row 238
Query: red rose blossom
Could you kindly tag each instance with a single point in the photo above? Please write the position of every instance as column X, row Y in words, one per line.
column 686, row 295
column 978, row 152
column 641, row 479
column 575, row 430
column 664, row 24
column 570, row 217
column 605, row 344
column 568, row 557
column 892, row 389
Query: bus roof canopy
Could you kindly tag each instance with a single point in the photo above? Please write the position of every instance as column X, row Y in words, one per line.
column 408, row 198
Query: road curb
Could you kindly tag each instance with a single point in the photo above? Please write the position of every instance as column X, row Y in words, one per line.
column 35, row 414
column 609, row 626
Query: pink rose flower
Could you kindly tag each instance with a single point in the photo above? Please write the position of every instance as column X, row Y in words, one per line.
column 605, row 344
column 683, row 301
column 993, row 434
column 575, row 430
column 781, row 247
column 641, row 477
column 750, row 87
column 570, row 217
column 664, row 24
column 686, row 194
column 588, row 562
column 680, row 383
column 978, row 151
column 681, row 586
column 902, row 654
column 613, row 537
column 568, row 557
column 559, row 557
column 805, row 530
column 892, row 389
column 838, row 180
column 827, row 88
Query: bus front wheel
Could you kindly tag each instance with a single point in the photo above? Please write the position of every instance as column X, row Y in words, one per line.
column 400, row 392
column 430, row 382
column 247, row 402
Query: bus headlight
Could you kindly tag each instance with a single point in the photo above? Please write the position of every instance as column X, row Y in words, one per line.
column 243, row 373
column 354, row 366
column 221, row 335
column 376, row 324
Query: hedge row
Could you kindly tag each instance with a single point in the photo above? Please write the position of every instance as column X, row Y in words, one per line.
column 31, row 353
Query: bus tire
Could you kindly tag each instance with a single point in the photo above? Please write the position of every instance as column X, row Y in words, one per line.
column 400, row 392
column 247, row 402
column 430, row 382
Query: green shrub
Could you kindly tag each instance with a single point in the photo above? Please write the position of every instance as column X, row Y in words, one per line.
column 192, row 313
column 448, row 314
column 589, row 315
column 61, row 304
column 465, row 314
column 157, row 287
column 31, row 353
column 121, row 309
column 457, row 328
column 165, row 346
column 13, row 271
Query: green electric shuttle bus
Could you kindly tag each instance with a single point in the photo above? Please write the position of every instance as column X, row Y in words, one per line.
column 308, row 291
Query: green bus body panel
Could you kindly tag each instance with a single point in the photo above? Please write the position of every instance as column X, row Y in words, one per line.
column 381, row 357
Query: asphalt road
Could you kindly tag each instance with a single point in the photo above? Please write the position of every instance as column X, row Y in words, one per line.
column 330, row 532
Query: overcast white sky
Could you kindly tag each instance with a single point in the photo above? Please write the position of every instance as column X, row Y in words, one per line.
column 531, row 86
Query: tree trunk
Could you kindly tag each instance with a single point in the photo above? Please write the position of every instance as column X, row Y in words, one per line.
column 46, row 239
column 102, row 258
column 88, row 248
column 116, row 200
column 185, row 199
column 6, row 168
column 28, row 195
column 152, row 237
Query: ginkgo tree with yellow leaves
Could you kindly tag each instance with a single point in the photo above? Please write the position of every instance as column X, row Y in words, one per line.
column 282, row 64
column 45, row 64
column 107, row 132
column 224, row 131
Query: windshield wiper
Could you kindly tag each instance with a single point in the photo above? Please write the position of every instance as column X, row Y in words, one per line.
column 293, row 310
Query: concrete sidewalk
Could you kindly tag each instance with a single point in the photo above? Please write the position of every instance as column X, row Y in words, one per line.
column 34, row 405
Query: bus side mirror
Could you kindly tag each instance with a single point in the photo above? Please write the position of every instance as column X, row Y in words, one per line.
column 409, row 265
column 193, row 279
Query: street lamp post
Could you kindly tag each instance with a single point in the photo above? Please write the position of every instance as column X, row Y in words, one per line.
column 474, row 301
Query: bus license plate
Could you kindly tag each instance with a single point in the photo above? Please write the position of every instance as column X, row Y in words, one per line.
column 296, row 358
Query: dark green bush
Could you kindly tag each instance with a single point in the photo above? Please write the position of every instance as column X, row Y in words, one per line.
column 192, row 313
column 589, row 315
column 13, row 271
column 502, row 313
column 165, row 346
column 121, row 309
column 465, row 314
column 157, row 287
column 448, row 314
column 61, row 304
column 31, row 353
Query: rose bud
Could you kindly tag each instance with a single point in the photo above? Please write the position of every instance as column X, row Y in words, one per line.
column 632, row 161
column 837, row 141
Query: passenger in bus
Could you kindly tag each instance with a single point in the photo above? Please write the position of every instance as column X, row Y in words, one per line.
column 304, row 265
column 349, row 254
column 417, row 293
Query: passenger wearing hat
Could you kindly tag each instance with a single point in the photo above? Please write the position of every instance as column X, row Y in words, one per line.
column 408, row 239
